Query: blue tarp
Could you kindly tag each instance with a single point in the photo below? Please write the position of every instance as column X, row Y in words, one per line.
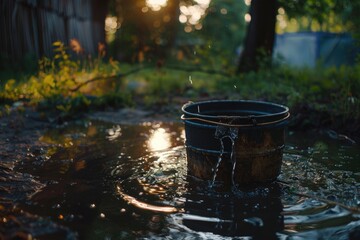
column 306, row 49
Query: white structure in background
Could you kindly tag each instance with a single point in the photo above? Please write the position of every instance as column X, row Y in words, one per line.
column 307, row 49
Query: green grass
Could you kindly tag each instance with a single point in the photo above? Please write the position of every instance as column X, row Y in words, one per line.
column 333, row 90
column 68, row 87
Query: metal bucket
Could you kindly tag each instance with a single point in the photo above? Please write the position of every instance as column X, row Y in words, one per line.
column 239, row 142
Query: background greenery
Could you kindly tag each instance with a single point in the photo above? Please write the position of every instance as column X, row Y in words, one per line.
column 195, row 65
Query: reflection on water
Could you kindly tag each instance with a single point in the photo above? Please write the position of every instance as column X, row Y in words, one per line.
column 256, row 213
column 113, row 133
column 124, row 182
column 159, row 139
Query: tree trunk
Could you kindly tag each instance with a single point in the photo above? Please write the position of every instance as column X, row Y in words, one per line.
column 172, row 26
column 260, row 36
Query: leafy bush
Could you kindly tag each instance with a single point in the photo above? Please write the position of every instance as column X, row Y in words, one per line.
column 64, row 85
column 69, row 86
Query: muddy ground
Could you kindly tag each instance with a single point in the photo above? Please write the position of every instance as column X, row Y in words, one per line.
column 19, row 142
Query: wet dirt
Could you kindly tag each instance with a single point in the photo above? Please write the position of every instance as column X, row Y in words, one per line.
column 19, row 141
column 20, row 134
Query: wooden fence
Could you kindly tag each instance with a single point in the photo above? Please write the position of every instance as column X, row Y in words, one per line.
column 29, row 27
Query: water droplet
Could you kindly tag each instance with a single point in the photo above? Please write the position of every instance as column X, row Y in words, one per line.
column 123, row 210
column 255, row 221
column 190, row 80
column 221, row 133
column 92, row 205
column 235, row 86
column 57, row 206
column 102, row 215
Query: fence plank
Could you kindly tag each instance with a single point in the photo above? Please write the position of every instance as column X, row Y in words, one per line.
column 31, row 26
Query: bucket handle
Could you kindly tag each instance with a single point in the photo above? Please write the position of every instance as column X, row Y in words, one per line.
column 235, row 125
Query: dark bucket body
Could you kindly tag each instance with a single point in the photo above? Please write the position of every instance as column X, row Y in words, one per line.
column 258, row 144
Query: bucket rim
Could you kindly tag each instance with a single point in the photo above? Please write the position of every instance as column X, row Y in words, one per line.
column 266, row 118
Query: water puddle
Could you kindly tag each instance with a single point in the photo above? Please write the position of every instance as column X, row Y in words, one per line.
column 106, row 181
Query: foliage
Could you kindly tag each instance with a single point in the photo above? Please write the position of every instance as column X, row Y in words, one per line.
column 315, row 9
column 150, row 36
column 144, row 35
column 223, row 29
column 334, row 91
column 56, row 86
column 325, row 12
column 66, row 86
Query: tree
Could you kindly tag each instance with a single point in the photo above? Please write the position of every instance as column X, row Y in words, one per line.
column 145, row 33
column 28, row 28
column 320, row 10
column 223, row 27
column 260, row 35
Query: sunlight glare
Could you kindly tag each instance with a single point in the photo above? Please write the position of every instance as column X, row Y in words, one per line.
column 143, row 205
column 111, row 24
column 156, row 5
column 281, row 10
column 247, row 17
column 159, row 140
column 188, row 29
column 182, row 18
column 113, row 133
column 192, row 14
column 145, row 9
column 223, row 11
column 182, row 135
column 198, row 26
column 203, row 2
